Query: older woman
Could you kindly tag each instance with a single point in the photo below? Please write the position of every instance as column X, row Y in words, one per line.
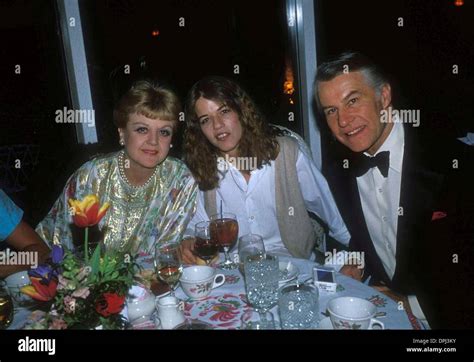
column 152, row 196
column 269, row 182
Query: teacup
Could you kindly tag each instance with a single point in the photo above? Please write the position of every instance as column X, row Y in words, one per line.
column 353, row 313
column 197, row 281
column 14, row 283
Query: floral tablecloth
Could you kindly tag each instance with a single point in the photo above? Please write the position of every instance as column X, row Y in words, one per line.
column 225, row 305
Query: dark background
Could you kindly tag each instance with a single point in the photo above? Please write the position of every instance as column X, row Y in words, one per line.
column 217, row 35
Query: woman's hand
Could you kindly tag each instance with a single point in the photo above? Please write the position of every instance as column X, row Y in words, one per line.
column 187, row 251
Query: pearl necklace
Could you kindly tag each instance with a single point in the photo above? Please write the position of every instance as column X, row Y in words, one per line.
column 121, row 162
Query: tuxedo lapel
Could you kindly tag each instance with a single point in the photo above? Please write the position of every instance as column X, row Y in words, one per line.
column 419, row 187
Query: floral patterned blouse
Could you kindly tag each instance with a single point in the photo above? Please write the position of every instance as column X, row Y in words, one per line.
column 138, row 218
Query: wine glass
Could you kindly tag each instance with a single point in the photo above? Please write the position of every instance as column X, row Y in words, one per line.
column 225, row 229
column 261, row 282
column 168, row 264
column 250, row 246
column 205, row 247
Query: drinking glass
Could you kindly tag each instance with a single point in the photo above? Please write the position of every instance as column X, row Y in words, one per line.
column 250, row 246
column 225, row 229
column 168, row 264
column 299, row 306
column 6, row 307
column 254, row 320
column 205, row 246
column 261, row 282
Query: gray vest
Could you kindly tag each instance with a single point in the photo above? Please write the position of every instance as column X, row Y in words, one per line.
column 296, row 228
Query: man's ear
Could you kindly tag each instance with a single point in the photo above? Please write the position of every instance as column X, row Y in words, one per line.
column 386, row 95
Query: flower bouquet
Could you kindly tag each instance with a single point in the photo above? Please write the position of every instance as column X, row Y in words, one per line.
column 87, row 292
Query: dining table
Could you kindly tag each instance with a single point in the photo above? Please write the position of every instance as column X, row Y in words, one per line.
column 225, row 305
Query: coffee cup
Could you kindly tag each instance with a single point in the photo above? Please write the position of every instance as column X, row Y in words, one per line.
column 353, row 313
column 198, row 281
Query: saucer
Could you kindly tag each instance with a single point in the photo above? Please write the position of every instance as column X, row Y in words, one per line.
column 325, row 323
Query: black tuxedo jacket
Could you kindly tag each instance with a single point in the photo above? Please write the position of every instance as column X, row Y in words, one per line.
column 426, row 227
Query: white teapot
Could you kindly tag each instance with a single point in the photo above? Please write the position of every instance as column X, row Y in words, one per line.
column 140, row 304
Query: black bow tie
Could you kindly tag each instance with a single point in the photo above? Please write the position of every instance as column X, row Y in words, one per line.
column 381, row 160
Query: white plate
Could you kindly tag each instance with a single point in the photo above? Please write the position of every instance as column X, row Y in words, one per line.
column 325, row 323
column 290, row 271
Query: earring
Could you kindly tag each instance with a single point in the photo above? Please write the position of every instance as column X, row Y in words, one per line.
column 171, row 145
column 122, row 142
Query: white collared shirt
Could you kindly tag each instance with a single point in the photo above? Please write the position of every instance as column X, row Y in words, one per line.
column 381, row 211
column 254, row 202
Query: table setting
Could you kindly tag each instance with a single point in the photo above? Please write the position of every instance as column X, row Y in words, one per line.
column 207, row 297
column 242, row 288
column 278, row 294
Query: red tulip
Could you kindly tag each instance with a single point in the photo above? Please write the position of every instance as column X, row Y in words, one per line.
column 87, row 212
column 39, row 290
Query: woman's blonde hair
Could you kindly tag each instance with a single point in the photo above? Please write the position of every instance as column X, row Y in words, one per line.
column 150, row 99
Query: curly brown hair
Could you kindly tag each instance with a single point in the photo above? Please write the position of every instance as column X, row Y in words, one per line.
column 258, row 138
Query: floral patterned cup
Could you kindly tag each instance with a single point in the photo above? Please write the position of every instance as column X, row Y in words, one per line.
column 198, row 281
column 353, row 313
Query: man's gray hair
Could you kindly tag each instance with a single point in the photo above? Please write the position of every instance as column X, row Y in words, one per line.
column 350, row 62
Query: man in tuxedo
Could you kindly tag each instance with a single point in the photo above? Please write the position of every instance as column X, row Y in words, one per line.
column 397, row 198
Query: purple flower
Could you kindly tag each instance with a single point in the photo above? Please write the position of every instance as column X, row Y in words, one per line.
column 44, row 272
column 57, row 254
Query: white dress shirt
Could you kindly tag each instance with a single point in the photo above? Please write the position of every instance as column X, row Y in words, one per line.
column 380, row 199
column 381, row 212
column 254, row 202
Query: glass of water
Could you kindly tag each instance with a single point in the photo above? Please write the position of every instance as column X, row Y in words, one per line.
column 299, row 306
column 261, row 282
column 250, row 246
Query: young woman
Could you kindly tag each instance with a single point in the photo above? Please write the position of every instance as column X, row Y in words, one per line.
column 268, row 181
column 152, row 196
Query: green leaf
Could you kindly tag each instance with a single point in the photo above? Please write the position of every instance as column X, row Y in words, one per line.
column 95, row 261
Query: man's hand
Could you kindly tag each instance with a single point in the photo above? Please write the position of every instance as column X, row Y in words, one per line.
column 352, row 271
column 399, row 298
column 187, row 251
